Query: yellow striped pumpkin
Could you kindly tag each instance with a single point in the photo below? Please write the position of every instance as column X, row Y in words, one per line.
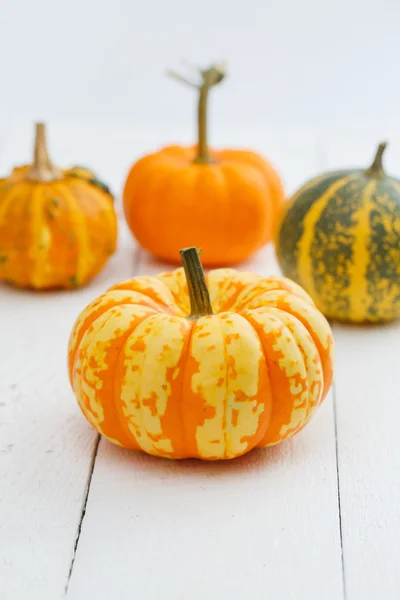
column 181, row 370
column 57, row 228
column 339, row 238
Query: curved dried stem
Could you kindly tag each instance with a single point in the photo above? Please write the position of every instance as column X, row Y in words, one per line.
column 209, row 78
column 376, row 169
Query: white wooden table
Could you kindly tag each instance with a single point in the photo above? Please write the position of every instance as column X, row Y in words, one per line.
column 317, row 517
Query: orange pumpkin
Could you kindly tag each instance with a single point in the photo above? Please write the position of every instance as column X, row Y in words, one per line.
column 226, row 201
column 57, row 228
column 172, row 367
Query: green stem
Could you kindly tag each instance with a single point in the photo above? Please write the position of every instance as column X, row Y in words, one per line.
column 376, row 169
column 200, row 304
column 203, row 154
column 209, row 78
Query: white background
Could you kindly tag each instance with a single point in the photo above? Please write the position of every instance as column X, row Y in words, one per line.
column 306, row 64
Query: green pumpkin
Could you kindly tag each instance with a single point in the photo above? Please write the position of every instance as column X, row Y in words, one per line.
column 339, row 238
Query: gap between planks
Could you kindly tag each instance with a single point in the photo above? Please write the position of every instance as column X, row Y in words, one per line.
column 83, row 511
column 139, row 261
column 138, row 256
column 338, row 486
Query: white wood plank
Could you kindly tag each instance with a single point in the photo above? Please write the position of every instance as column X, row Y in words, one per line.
column 254, row 526
column 367, row 387
column 368, row 412
column 46, row 447
column 266, row 524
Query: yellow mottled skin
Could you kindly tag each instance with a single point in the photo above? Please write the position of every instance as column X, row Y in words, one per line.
column 145, row 388
column 54, row 234
column 249, row 375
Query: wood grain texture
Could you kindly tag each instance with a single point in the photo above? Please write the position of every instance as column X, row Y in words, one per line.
column 249, row 527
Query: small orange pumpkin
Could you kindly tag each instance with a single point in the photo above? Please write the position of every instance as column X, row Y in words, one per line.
column 172, row 367
column 57, row 228
column 226, row 201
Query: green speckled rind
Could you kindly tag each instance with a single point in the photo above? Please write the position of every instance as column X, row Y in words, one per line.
column 332, row 247
column 340, row 240
column 383, row 276
column 291, row 229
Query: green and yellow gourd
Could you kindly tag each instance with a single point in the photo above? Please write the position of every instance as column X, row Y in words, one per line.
column 339, row 238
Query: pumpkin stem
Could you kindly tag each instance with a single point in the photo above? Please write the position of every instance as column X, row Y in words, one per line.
column 209, row 78
column 376, row 169
column 42, row 168
column 200, row 304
